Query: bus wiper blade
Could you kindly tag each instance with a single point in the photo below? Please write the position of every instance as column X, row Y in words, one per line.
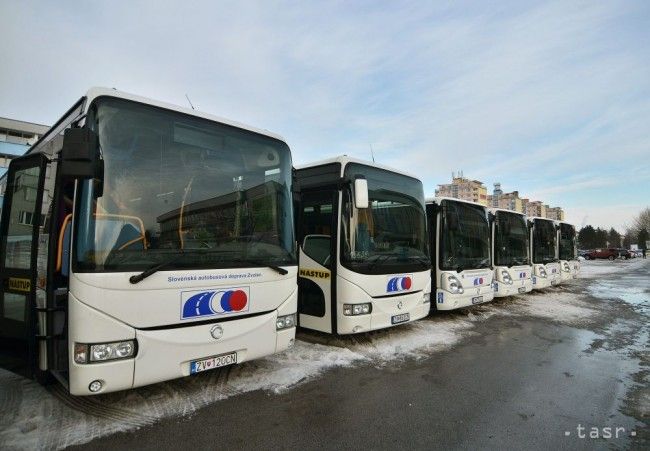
column 275, row 268
column 147, row 272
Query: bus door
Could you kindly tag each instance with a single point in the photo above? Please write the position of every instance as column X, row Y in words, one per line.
column 19, row 263
column 317, row 237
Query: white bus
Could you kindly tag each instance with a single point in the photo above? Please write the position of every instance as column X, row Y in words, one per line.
column 543, row 249
column 460, row 251
column 510, row 253
column 363, row 256
column 567, row 251
column 143, row 242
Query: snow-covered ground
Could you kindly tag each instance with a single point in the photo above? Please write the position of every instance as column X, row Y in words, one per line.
column 590, row 269
column 37, row 417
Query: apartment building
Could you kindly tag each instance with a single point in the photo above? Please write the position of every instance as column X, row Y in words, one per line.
column 464, row 188
column 15, row 138
column 555, row 213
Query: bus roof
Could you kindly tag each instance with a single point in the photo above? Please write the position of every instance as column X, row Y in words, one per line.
column 437, row 200
column 534, row 218
column 505, row 210
column 94, row 93
column 343, row 160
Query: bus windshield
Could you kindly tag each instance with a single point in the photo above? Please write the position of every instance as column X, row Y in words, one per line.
column 184, row 191
column 464, row 237
column 567, row 242
column 390, row 235
column 544, row 241
column 511, row 240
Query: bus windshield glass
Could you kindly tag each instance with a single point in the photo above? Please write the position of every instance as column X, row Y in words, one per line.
column 464, row 237
column 182, row 191
column 390, row 235
column 511, row 240
column 567, row 242
column 544, row 241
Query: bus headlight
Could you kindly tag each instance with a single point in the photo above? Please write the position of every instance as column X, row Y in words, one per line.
column 542, row 272
column 102, row 352
column 454, row 285
column 285, row 322
column 426, row 298
column 357, row 309
column 506, row 277
column 566, row 267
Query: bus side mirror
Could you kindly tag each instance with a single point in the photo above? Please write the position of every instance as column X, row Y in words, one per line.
column 361, row 193
column 80, row 155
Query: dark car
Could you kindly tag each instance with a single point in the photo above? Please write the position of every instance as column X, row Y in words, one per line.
column 608, row 253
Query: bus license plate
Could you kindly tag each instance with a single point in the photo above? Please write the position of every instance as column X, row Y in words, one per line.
column 210, row 363
column 477, row 300
column 522, row 289
column 400, row 318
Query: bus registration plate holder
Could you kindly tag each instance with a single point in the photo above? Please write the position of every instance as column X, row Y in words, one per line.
column 402, row 318
column 210, row 363
column 477, row 300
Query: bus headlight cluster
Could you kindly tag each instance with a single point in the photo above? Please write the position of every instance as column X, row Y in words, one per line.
column 542, row 272
column 566, row 267
column 454, row 285
column 285, row 322
column 506, row 277
column 102, row 352
column 357, row 309
column 426, row 299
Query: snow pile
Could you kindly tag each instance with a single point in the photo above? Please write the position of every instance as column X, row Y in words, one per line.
column 590, row 269
column 560, row 306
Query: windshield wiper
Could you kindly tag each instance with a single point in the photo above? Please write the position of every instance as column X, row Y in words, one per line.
column 154, row 269
column 275, row 268
column 147, row 272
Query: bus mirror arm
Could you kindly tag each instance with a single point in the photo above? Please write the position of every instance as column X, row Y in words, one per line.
column 80, row 158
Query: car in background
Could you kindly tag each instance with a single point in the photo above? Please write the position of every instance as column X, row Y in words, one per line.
column 583, row 252
column 611, row 253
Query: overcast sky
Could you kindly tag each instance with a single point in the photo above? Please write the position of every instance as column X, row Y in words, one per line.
column 551, row 99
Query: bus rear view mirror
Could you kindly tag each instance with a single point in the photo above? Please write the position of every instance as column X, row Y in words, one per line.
column 80, row 154
column 361, row 193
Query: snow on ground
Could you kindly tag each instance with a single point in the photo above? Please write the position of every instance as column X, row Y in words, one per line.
column 560, row 306
column 36, row 417
column 590, row 269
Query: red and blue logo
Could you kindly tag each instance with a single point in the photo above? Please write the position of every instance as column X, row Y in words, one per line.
column 396, row 284
column 479, row 281
column 522, row 275
column 196, row 304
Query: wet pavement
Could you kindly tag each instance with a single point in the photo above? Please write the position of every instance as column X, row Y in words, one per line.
column 567, row 368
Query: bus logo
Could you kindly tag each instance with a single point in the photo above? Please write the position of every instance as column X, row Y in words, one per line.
column 479, row 281
column 522, row 275
column 197, row 304
column 401, row 283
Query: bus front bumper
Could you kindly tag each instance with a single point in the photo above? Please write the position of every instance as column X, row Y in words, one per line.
column 446, row 300
column 521, row 286
column 166, row 354
column 386, row 312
